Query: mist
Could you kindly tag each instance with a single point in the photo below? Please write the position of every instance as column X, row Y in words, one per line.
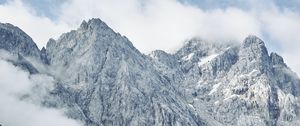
column 166, row 24
column 16, row 111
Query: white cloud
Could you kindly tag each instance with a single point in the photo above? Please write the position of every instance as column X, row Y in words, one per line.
column 284, row 27
column 15, row 112
column 39, row 28
column 157, row 24
column 165, row 24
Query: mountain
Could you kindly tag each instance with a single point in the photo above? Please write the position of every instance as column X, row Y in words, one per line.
column 17, row 43
column 15, row 40
column 102, row 79
column 236, row 84
column 109, row 82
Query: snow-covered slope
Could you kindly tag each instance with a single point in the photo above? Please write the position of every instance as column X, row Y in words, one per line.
column 237, row 84
column 102, row 79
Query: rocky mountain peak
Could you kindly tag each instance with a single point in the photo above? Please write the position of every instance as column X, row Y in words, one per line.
column 14, row 40
column 157, row 53
column 84, row 25
column 201, row 48
column 93, row 24
column 93, row 39
column 102, row 79
column 113, row 83
column 255, row 45
column 277, row 59
column 253, row 54
column 252, row 39
column 51, row 42
column 164, row 57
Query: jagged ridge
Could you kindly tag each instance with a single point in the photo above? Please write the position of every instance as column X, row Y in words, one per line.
column 102, row 79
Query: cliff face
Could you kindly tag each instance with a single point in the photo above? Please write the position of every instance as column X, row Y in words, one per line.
column 111, row 82
column 16, row 41
column 236, row 84
column 102, row 79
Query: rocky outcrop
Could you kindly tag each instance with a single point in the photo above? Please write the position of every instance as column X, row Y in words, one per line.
column 102, row 79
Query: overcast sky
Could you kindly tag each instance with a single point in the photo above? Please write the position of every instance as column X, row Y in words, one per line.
column 165, row 24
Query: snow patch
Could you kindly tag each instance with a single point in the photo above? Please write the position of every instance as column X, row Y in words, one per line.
column 234, row 96
column 192, row 106
column 188, row 57
column 214, row 88
column 254, row 73
column 217, row 103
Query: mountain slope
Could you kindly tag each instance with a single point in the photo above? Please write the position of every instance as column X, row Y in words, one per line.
column 102, row 79
column 16, row 47
column 236, row 84
column 112, row 83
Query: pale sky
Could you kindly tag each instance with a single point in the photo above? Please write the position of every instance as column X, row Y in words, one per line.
column 165, row 24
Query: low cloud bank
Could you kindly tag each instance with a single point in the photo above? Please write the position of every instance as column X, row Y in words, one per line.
column 16, row 112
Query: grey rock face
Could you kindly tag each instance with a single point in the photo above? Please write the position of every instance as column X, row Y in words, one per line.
column 16, row 41
column 237, row 84
column 111, row 82
column 20, row 45
column 102, row 79
column 165, row 58
column 276, row 59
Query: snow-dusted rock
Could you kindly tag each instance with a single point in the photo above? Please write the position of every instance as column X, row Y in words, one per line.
column 102, row 79
column 106, row 81
column 238, row 84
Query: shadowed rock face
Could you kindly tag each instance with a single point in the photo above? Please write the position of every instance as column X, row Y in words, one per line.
column 19, row 44
column 102, row 79
column 16, row 41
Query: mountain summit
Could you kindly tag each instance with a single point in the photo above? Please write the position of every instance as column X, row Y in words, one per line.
column 102, row 79
column 112, row 83
column 16, row 41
